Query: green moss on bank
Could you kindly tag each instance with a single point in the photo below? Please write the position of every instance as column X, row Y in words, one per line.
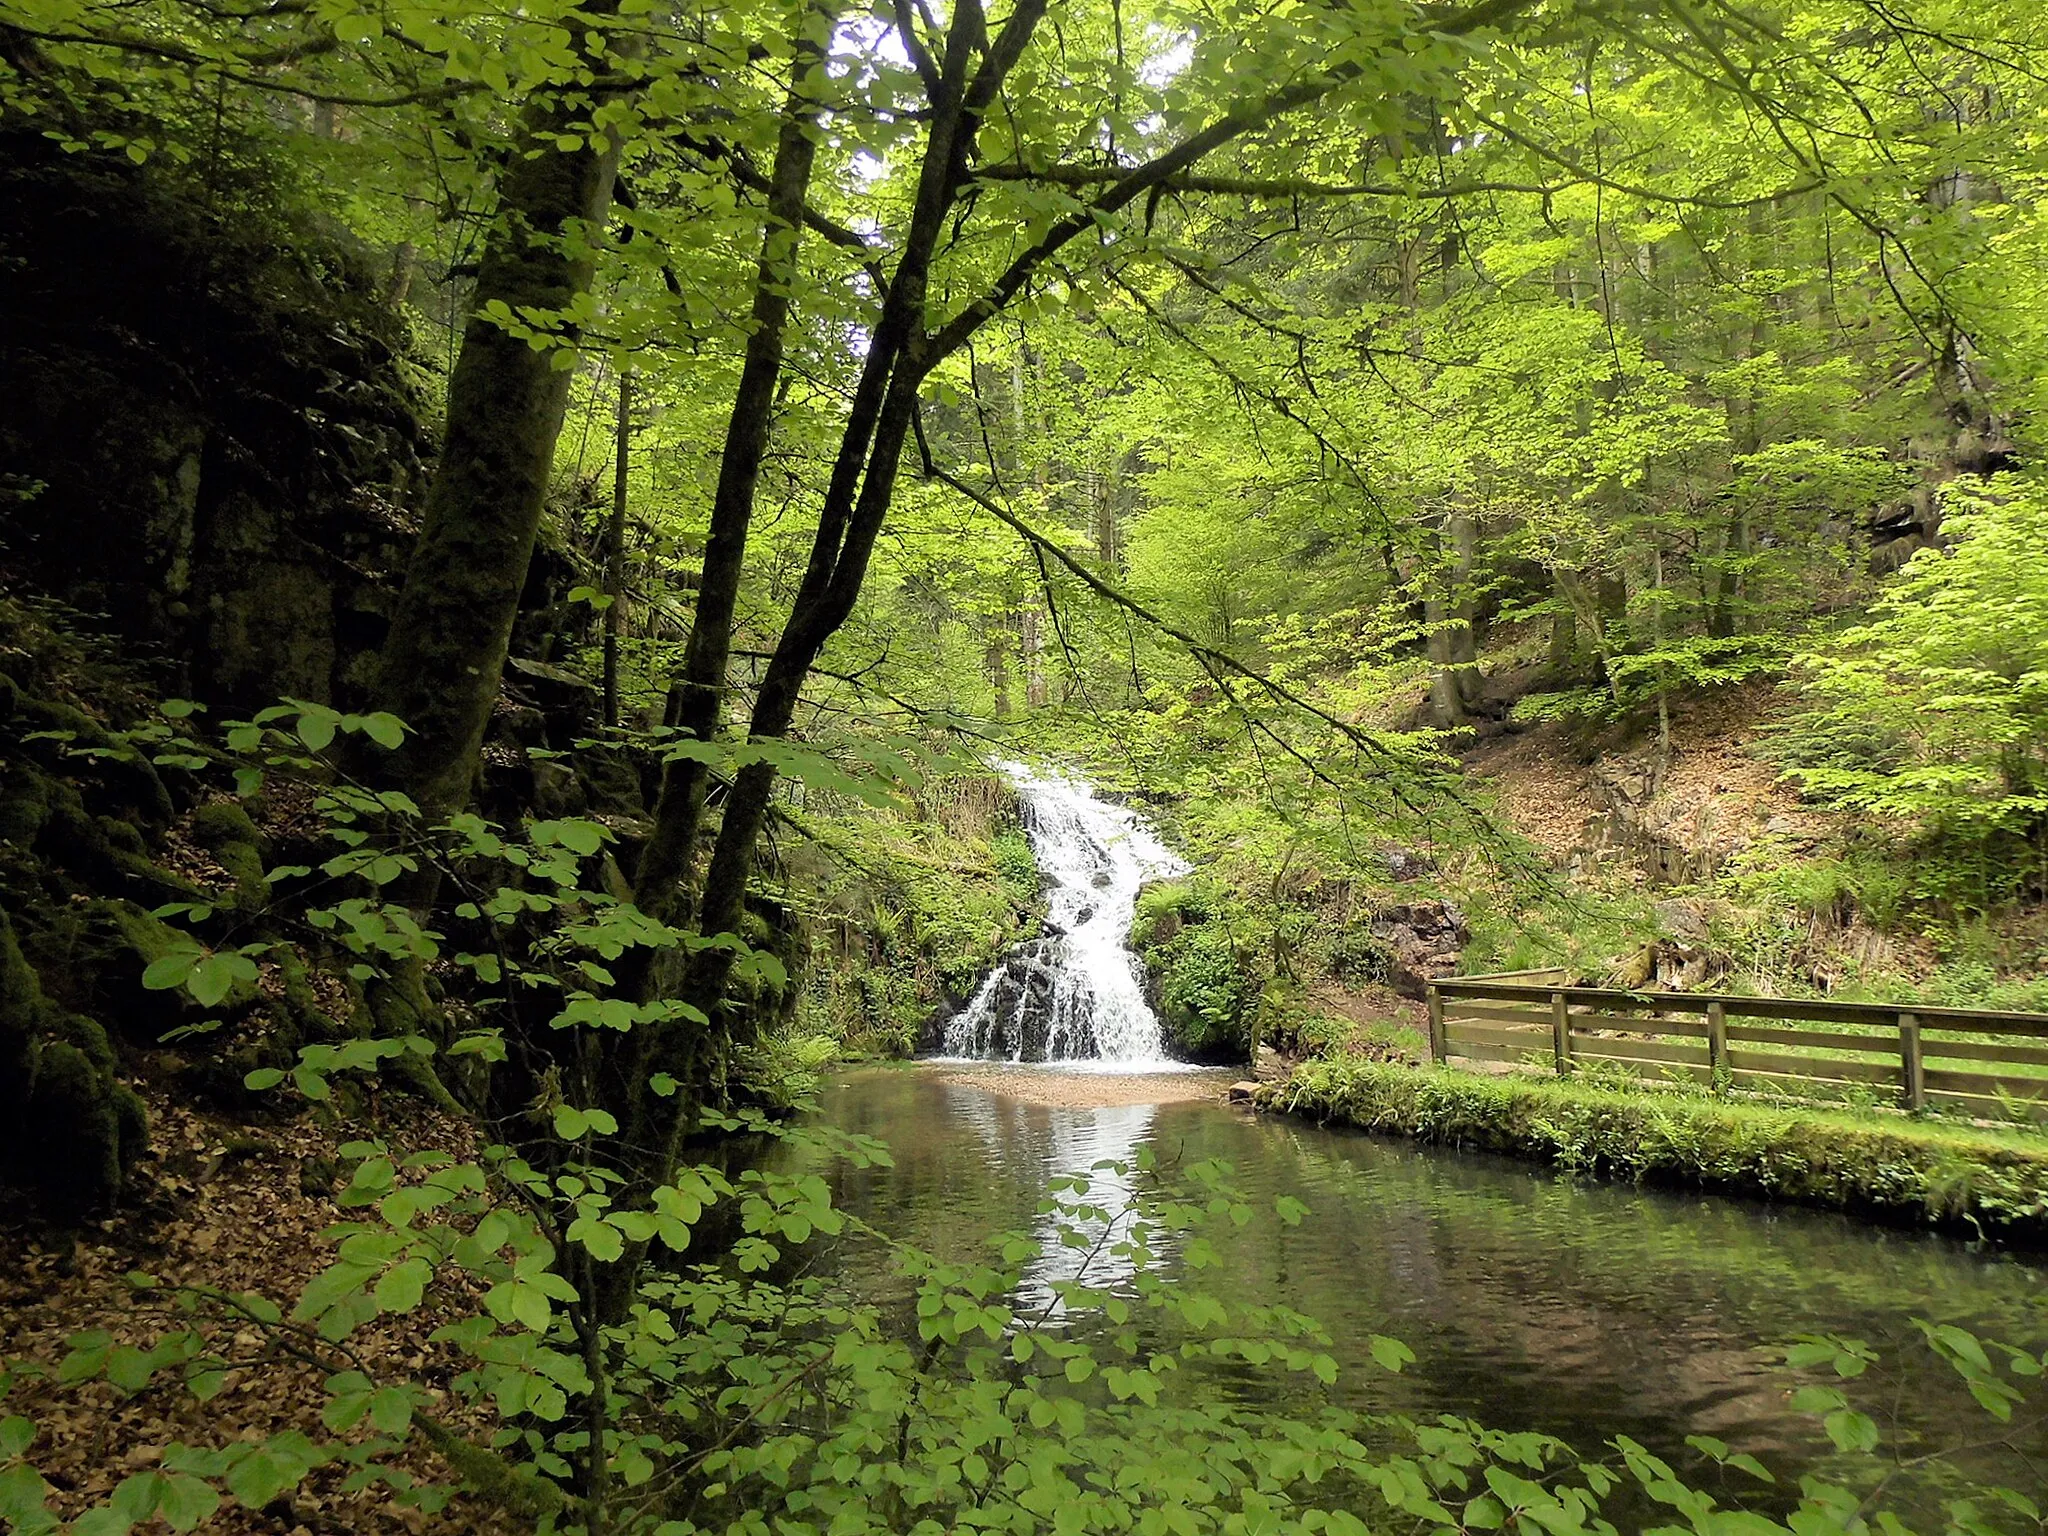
column 1901, row 1170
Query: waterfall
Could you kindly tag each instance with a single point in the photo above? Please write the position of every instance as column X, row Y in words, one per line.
column 1074, row 994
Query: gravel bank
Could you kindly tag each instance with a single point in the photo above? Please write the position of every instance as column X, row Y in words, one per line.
column 1067, row 1089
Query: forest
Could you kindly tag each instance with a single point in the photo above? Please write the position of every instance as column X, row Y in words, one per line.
column 1130, row 766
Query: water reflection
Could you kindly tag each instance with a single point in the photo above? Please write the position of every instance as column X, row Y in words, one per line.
column 1584, row 1311
column 1028, row 1144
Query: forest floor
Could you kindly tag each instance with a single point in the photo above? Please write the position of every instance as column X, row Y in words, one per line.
column 222, row 1206
column 1553, row 780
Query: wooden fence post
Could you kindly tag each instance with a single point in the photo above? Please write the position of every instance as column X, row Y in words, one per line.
column 1437, row 1044
column 1909, row 1059
column 1561, row 1032
column 1717, row 1040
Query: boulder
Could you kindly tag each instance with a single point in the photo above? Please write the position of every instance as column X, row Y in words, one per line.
column 68, row 1126
column 1425, row 941
column 1405, row 864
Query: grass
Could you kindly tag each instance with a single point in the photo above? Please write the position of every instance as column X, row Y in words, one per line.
column 1917, row 1172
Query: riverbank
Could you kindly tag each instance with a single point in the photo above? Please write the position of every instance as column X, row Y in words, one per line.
column 1916, row 1173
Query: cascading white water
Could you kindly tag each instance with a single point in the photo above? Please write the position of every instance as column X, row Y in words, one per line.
column 1073, row 995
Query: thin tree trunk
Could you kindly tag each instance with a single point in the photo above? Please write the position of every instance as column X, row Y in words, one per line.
column 615, row 551
column 697, row 695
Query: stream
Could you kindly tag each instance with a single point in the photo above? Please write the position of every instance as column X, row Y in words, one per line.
column 1583, row 1310
column 1586, row 1311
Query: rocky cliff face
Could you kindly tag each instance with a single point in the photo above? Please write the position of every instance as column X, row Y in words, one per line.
column 208, row 443
column 209, row 436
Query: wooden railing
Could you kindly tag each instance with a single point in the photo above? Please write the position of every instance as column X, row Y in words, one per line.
column 1956, row 1058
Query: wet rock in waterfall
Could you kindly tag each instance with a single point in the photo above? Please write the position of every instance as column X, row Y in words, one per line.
column 1073, row 994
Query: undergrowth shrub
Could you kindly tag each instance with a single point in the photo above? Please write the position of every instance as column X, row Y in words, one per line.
column 1207, row 993
column 1931, row 719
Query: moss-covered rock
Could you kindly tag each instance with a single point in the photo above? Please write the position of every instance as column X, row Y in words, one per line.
column 24, row 805
column 93, row 954
column 69, row 1128
column 104, row 853
column 223, row 829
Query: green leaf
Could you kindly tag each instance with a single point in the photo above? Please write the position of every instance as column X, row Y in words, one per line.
column 1391, row 1354
column 273, row 1468
column 384, row 729
column 169, row 971
column 604, row 1240
column 391, row 1410
column 213, row 977
column 206, row 1385
column 317, row 731
column 1850, row 1430
column 22, row 1491
column 16, row 1435
column 403, row 1285
column 186, row 1503
column 1817, row 1400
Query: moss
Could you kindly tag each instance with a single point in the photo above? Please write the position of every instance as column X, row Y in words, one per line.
column 73, row 1129
column 93, row 956
column 123, row 779
column 1206, row 994
column 105, row 852
column 1897, row 1169
column 24, row 806
column 223, row 829
column 70, row 1130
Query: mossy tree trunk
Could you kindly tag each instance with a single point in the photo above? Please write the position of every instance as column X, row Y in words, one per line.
column 445, row 655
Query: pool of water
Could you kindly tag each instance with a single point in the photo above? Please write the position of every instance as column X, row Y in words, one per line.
column 1585, row 1311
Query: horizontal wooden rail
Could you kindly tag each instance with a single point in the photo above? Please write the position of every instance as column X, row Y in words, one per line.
column 1975, row 1059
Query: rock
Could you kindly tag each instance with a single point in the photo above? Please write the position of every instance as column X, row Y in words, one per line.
column 1637, row 969
column 1269, row 1065
column 1240, row 1093
column 1425, row 941
column 220, row 466
column 1405, row 864
column 1682, row 919
column 557, row 791
column 569, row 703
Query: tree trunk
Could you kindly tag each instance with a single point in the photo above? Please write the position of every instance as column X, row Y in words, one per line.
column 1448, row 615
column 697, row 696
column 999, row 670
column 615, row 551
column 446, row 651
